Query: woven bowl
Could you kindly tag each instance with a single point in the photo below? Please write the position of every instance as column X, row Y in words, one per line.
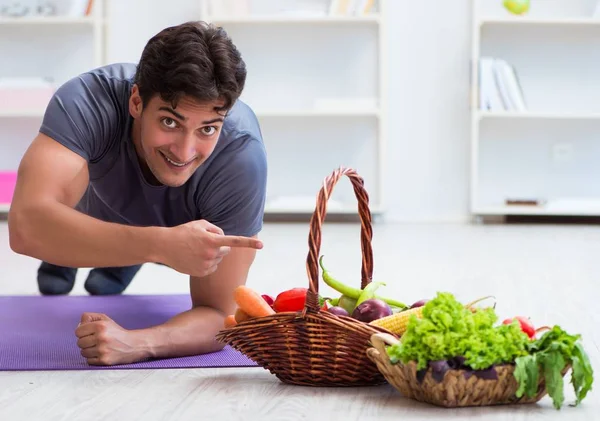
column 313, row 347
column 456, row 389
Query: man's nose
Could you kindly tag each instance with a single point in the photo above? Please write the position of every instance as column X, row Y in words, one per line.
column 185, row 150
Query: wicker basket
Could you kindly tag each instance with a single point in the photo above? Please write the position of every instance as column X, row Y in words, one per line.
column 314, row 347
column 455, row 390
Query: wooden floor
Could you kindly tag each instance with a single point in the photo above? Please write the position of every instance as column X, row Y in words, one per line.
column 549, row 273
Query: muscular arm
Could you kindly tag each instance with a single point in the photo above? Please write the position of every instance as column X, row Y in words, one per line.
column 43, row 224
column 193, row 331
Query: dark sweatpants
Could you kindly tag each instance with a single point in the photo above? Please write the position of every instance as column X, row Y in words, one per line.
column 59, row 280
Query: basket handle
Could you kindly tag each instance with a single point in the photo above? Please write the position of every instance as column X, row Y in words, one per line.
column 314, row 238
column 380, row 340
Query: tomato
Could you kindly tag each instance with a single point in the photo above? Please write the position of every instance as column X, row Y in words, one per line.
column 290, row 300
column 526, row 325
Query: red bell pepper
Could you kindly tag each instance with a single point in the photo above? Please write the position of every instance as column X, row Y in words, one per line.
column 290, row 300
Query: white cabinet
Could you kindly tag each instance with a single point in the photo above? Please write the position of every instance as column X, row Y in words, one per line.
column 316, row 80
column 540, row 158
column 40, row 52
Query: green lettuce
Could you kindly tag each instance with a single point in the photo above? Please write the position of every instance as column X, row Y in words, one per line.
column 448, row 329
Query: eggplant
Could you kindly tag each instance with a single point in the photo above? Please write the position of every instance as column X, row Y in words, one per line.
column 371, row 309
column 457, row 363
column 421, row 375
column 439, row 369
column 419, row 303
column 487, row 374
column 338, row 311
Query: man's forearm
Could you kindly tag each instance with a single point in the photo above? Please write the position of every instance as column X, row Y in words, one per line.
column 58, row 234
column 189, row 333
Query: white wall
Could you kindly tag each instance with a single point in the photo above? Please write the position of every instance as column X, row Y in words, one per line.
column 428, row 130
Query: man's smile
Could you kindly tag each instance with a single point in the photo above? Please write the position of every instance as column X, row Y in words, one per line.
column 176, row 163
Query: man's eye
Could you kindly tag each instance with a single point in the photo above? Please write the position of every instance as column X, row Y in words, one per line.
column 209, row 130
column 169, row 122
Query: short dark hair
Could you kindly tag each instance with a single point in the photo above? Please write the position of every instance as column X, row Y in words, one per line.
column 194, row 59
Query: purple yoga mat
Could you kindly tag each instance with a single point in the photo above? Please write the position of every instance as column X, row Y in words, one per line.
column 38, row 333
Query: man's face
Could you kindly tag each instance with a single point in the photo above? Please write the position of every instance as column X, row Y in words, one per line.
column 173, row 143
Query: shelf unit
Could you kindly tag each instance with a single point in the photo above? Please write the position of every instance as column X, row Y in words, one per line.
column 55, row 47
column 313, row 20
column 546, row 153
column 542, row 21
column 49, row 20
column 537, row 115
column 316, row 82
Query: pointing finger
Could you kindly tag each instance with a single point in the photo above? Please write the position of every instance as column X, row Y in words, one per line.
column 237, row 241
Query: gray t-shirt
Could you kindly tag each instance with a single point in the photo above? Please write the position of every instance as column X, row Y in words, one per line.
column 89, row 114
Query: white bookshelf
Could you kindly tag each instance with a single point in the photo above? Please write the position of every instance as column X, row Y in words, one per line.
column 316, row 81
column 507, row 115
column 47, row 20
column 52, row 47
column 314, row 20
column 540, row 21
column 546, row 153
column 300, row 113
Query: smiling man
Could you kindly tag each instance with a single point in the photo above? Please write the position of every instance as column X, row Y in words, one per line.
column 155, row 162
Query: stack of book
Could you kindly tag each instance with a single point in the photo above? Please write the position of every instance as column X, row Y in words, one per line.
column 499, row 87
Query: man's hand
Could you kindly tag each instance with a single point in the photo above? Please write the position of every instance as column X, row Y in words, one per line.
column 104, row 342
column 196, row 248
column 193, row 332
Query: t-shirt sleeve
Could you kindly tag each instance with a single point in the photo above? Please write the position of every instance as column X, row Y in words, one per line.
column 234, row 199
column 81, row 116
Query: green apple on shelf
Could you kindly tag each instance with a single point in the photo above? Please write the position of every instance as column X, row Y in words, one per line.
column 518, row 7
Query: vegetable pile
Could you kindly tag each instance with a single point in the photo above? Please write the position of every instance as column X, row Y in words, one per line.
column 364, row 305
column 450, row 336
column 250, row 305
column 361, row 304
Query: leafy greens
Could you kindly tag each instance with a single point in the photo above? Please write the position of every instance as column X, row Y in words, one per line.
column 448, row 330
column 551, row 355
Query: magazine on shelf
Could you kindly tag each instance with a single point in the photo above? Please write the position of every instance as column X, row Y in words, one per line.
column 499, row 87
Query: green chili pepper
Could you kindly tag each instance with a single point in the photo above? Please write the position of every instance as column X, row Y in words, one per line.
column 369, row 292
column 353, row 292
column 394, row 303
column 337, row 285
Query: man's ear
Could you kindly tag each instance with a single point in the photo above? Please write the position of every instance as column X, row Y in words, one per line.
column 135, row 102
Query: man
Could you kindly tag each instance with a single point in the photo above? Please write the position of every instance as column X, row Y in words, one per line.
column 158, row 162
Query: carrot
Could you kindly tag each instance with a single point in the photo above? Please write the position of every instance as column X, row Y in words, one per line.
column 230, row 321
column 251, row 302
column 241, row 316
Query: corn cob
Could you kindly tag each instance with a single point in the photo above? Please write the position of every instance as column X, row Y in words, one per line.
column 397, row 323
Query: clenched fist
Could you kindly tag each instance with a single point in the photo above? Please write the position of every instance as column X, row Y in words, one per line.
column 103, row 342
column 196, row 248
